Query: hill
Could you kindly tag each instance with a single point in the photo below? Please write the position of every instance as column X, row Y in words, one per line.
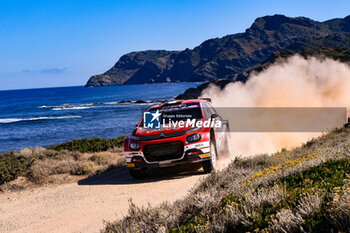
column 341, row 54
column 228, row 56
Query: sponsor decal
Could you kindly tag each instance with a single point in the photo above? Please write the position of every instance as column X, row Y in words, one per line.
column 178, row 107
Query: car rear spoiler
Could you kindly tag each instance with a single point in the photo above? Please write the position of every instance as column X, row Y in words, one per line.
column 207, row 99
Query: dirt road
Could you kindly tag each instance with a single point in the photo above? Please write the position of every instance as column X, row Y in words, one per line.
column 82, row 206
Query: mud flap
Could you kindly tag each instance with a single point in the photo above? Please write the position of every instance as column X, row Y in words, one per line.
column 223, row 148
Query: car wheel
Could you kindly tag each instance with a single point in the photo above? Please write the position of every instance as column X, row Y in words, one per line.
column 137, row 174
column 210, row 165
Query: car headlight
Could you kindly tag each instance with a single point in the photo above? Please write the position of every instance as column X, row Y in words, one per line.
column 134, row 146
column 193, row 138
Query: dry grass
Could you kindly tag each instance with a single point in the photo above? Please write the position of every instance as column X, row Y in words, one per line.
column 340, row 207
column 52, row 166
column 247, row 195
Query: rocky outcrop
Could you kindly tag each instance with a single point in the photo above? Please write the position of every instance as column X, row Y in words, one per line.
column 136, row 67
column 227, row 57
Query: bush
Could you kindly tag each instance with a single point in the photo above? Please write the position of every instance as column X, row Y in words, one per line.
column 90, row 144
column 12, row 166
column 39, row 164
column 37, row 153
column 104, row 158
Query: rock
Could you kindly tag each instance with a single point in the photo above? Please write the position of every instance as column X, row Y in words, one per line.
column 125, row 102
column 140, row 102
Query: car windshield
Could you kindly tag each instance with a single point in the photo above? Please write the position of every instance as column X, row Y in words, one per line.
column 181, row 115
column 178, row 112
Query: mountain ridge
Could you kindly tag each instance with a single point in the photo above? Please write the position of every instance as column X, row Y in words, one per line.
column 343, row 55
column 224, row 57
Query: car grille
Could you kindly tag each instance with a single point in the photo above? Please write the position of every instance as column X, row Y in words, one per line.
column 163, row 151
column 163, row 135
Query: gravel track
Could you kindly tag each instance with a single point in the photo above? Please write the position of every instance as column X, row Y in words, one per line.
column 82, row 206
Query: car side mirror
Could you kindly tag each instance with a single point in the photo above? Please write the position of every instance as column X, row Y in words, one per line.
column 214, row 115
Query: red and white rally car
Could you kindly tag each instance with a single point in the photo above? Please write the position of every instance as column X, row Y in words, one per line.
column 190, row 131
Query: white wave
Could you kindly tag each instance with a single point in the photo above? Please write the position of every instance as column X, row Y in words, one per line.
column 134, row 102
column 53, row 106
column 111, row 103
column 70, row 108
column 44, row 106
column 92, row 105
column 12, row 120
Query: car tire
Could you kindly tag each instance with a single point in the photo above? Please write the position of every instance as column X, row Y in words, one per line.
column 137, row 174
column 210, row 165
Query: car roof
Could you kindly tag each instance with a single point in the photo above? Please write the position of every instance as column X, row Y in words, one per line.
column 190, row 101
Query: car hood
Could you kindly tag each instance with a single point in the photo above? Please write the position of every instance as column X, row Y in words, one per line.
column 140, row 131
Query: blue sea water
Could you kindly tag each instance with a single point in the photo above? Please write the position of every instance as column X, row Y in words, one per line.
column 47, row 116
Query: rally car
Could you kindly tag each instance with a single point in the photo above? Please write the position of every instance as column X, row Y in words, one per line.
column 177, row 132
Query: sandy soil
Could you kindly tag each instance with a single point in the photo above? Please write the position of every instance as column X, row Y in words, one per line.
column 82, row 206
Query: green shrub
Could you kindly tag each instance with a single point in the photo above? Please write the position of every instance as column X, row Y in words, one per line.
column 326, row 176
column 191, row 226
column 12, row 166
column 90, row 144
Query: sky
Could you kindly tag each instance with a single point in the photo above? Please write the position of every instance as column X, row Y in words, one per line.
column 62, row 43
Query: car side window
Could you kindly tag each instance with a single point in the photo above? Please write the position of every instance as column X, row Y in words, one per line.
column 211, row 109
column 206, row 111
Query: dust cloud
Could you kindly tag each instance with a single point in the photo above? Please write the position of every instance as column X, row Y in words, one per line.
column 292, row 82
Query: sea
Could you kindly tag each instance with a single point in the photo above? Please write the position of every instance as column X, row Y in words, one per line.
column 48, row 116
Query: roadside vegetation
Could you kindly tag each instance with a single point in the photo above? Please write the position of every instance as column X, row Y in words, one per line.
column 59, row 163
column 90, row 144
column 306, row 189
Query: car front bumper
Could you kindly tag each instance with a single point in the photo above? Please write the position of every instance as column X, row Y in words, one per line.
column 191, row 156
